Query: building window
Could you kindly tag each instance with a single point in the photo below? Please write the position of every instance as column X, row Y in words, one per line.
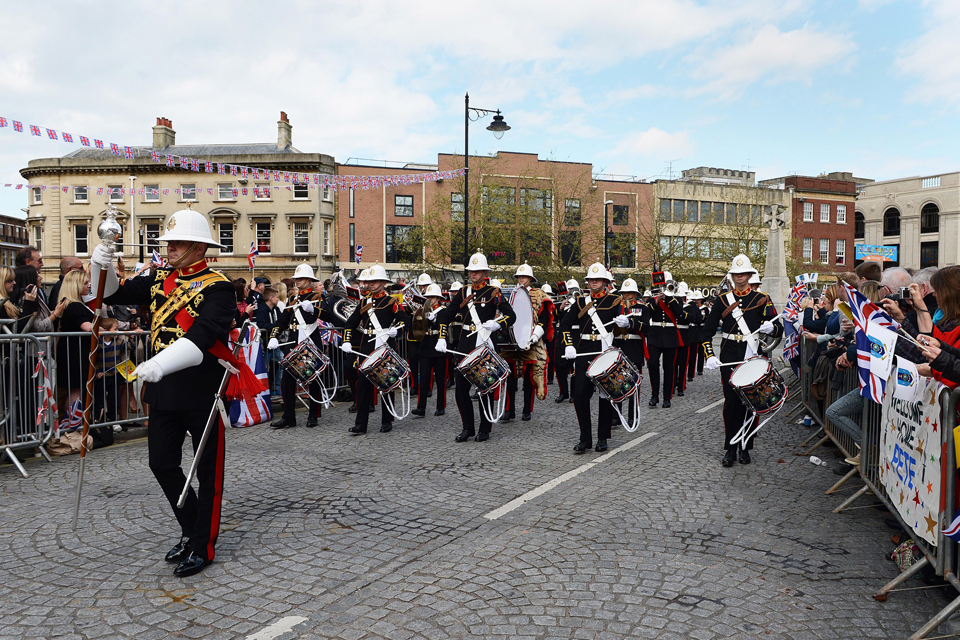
column 261, row 191
column 263, row 237
column 841, row 214
column 327, row 194
column 891, row 222
column 841, row 251
column 731, row 213
column 807, row 249
column 301, row 191
column 824, row 250
column 115, row 191
column 225, row 233
column 621, row 214
column 37, row 195
column 403, row 206
column 930, row 219
column 692, row 211
column 326, row 238
column 500, row 204
column 38, row 238
column 80, row 239
column 679, row 206
column 536, row 205
column 808, row 212
column 403, row 243
column 225, row 191
column 456, row 207
column 352, row 212
column 570, row 248
column 859, row 229
column 665, row 209
column 622, row 250
column 151, row 193
column 353, row 241
column 301, row 238
column 152, row 233
column 188, row 192
column 80, row 194
column 929, row 254
column 929, row 183
column 571, row 213
column 825, row 213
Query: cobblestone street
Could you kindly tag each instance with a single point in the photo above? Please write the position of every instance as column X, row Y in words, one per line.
column 400, row 536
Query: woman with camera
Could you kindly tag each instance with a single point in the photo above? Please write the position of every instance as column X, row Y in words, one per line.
column 941, row 339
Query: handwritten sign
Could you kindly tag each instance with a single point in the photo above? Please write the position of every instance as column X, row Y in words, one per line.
column 910, row 456
column 880, row 253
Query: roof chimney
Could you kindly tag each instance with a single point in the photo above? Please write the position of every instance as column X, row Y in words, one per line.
column 284, row 132
column 163, row 134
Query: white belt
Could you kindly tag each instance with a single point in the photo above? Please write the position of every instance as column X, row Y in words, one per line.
column 665, row 324
column 736, row 337
column 683, row 326
column 432, row 332
column 628, row 337
column 591, row 336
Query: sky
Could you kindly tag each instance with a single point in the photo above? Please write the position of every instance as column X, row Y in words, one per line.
column 637, row 88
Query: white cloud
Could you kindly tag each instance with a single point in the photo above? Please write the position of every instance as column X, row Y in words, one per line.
column 934, row 58
column 654, row 142
column 773, row 55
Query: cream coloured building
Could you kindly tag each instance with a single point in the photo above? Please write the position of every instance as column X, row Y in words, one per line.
column 919, row 215
column 289, row 222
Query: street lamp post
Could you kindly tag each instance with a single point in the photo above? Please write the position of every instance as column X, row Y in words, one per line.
column 606, row 234
column 498, row 127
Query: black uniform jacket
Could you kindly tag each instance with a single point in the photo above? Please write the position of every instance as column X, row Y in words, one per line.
column 586, row 339
column 630, row 340
column 288, row 317
column 663, row 332
column 428, row 346
column 361, row 332
column 692, row 319
column 757, row 308
column 212, row 305
column 487, row 301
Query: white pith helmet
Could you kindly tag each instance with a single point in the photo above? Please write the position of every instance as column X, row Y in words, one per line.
column 377, row 272
column 190, row 226
column 572, row 284
column 754, row 279
column 597, row 271
column 424, row 279
column 456, row 286
column 478, row 262
column 547, row 289
column 525, row 270
column 741, row 264
column 363, row 275
column 647, row 293
column 629, row 286
column 306, row 271
column 682, row 290
column 494, row 282
column 667, row 275
column 433, row 289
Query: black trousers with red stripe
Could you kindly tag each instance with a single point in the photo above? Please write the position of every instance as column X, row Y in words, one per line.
column 438, row 366
column 583, row 389
column 680, row 373
column 200, row 516
column 692, row 357
column 669, row 357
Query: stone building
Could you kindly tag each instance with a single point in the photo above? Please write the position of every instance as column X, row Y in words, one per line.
column 919, row 215
column 13, row 237
column 289, row 222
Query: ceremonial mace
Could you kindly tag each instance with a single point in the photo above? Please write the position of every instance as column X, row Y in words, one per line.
column 108, row 231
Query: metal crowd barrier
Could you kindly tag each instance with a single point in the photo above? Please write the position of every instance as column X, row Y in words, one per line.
column 24, row 424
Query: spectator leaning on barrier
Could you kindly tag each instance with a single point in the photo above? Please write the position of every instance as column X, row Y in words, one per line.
column 943, row 337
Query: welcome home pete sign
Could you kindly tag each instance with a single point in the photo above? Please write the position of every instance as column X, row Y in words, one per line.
column 910, row 447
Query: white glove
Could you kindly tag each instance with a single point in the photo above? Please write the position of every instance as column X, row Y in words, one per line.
column 307, row 306
column 622, row 321
column 491, row 325
column 442, row 345
column 766, row 327
column 273, row 343
column 390, row 332
column 537, row 334
column 346, row 347
column 103, row 255
column 570, row 353
column 179, row 355
column 432, row 315
column 713, row 362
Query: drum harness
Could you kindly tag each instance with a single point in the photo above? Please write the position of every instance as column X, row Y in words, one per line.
column 605, row 335
column 380, row 332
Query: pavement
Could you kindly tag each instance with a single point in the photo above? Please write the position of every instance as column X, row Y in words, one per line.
column 411, row 535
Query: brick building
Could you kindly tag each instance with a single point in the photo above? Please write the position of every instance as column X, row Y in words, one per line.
column 13, row 237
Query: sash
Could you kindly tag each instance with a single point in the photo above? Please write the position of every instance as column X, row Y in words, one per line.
column 301, row 323
column 179, row 297
column 482, row 334
column 602, row 330
column 673, row 319
column 737, row 314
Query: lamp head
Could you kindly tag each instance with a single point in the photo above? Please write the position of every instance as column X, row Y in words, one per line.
column 498, row 126
column 606, row 202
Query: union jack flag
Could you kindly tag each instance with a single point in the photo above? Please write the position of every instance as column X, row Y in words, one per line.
column 51, row 134
column 867, row 316
column 128, row 152
column 157, row 260
column 328, row 333
column 99, row 191
column 155, row 155
column 276, row 176
column 233, row 169
column 209, row 191
column 184, row 162
column 67, row 137
column 221, row 168
column 208, row 167
column 3, row 122
column 256, row 192
column 195, row 164
column 74, row 418
column 18, row 126
column 296, row 177
column 286, row 176
column 791, row 342
column 170, row 160
column 114, row 149
column 166, row 192
column 34, row 130
column 246, row 413
column 49, row 398
column 235, row 193
column 98, row 143
column 244, row 191
column 243, row 172
column 85, row 141
column 252, row 256
column 358, row 252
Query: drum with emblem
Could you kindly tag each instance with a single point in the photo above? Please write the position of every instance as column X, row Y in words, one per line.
column 614, row 375
column 484, row 369
column 385, row 369
column 759, row 385
column 305, row 362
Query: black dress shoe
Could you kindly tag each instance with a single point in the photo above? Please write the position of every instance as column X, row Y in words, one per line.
column 283, row 423
column 180, row 550
column 690, row 379
column 729, row 458
column 744, row 457
column 666, row 404
column 449, row 384
column 549, row 382
column 439, row 412
column 581, row 446
column 357, row 429
column 525, row 417
column 482, row 436
column 561, row 398
column 418, row 412
column 429, row 394
column 352, row 409
column 463, row 436
column 193, row 564
column 311, row 423
column 570, row 400
column 601, row 446
column 654, row 401
column 680, row 393
column 386, row 428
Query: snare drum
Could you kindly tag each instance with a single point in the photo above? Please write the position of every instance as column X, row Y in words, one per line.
column 614, row 375
column 305, row 362
column 484, row 369
column 759, row 385
column 385, row 369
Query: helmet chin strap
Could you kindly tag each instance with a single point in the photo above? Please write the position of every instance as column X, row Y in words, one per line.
column 176, row 263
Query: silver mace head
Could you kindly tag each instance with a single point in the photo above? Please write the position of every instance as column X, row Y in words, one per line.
column 109, row 230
